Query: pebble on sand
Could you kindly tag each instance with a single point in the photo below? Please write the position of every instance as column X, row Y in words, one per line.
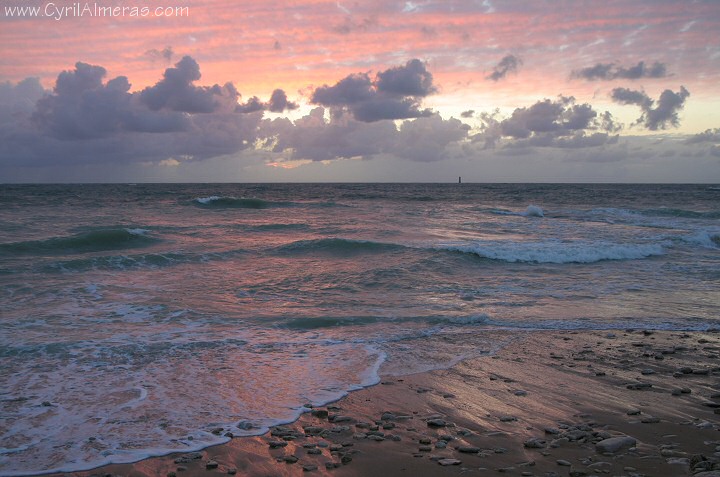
column 615, row 444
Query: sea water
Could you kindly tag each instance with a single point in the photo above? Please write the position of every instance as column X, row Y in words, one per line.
column 138, row 320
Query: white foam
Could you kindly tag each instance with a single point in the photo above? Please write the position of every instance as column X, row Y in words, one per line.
column 137, row 231
column 155, row 400
column 207, row 200
column 704, row 238
column 533, row 211
column 558, row 251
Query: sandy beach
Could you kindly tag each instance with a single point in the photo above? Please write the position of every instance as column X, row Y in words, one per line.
column 620, row 403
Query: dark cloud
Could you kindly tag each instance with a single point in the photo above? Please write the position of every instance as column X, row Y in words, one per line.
column 467, row 114
column 509, row 64
column 83, row 107
column 559, row 123
column 350, row 90
column 609, row 71
column 628, row 96
column 87, row 120
column 393, row 94
column 166, row 54
column 252, row 105
column 665, row 112
column 177, row 92
column 413, row 79
column 380, row 108
column 277, row 104
column 18, row 100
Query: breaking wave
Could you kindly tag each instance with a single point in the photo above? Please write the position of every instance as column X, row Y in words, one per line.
column 558, row 252
column 236, row 202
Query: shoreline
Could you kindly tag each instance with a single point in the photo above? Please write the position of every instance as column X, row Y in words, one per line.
column 540, row 406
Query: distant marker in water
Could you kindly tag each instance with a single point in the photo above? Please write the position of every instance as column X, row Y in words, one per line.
column 460, row 180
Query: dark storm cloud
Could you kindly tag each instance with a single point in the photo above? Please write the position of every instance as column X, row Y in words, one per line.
column 559, row 123
column 350, row 90
column 509, row 64
column 82, row 107
column 395, row 93
column 413, row 79
column 609, row 71
column 664, row 114
column 279, row 102
column 85, row 119
column 18, row 100
column 177, row 92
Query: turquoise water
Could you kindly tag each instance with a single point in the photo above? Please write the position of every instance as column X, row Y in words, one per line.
column 135, row 319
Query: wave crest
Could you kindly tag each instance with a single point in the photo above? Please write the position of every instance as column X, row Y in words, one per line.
column 558, row 252
column 234, row 202
column 94, row 241
column 339, row 246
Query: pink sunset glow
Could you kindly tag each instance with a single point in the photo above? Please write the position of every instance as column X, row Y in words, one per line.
column 299, row 46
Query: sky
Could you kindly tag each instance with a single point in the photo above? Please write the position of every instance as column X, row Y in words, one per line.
column 360, row 91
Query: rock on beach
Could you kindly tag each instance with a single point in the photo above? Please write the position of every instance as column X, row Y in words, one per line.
column 615, row 444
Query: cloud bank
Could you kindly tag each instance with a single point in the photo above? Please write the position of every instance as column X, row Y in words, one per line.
column 86, row 119
column 560, row 123
column 91, row 120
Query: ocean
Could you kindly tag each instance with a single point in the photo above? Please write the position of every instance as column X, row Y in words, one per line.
column 138, row 320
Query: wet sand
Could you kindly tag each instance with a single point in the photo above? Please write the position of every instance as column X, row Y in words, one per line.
column 617, row 403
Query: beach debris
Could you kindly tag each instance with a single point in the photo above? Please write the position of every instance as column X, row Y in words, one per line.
column 447, row 462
